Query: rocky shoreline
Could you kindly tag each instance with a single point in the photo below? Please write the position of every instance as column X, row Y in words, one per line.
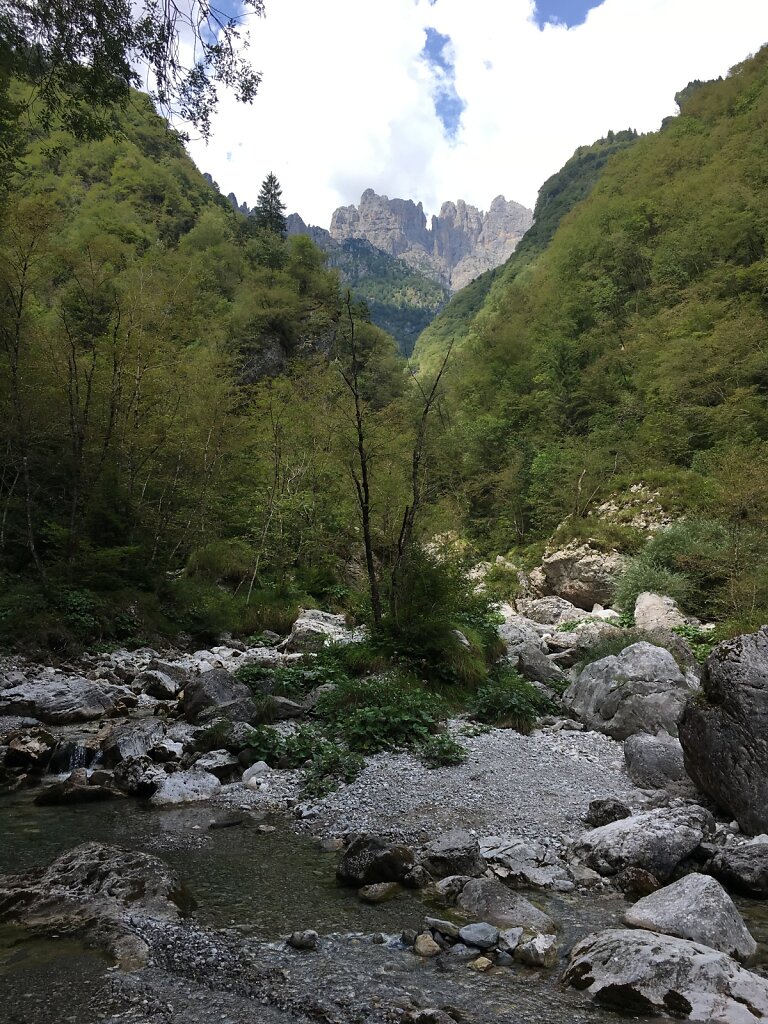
column 595, row 802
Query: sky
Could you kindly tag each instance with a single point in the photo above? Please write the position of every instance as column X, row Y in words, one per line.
column 436, row 100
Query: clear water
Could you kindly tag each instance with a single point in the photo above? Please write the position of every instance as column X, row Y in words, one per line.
column 265, row 885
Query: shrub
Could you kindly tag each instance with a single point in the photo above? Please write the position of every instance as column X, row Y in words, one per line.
column 213, row 737
column 643, row 573
column 510, row 701
column 221, row 561
column 701, row 641
column 331, row 765
column 266, row 744
column 442, row 750
column 381, row 714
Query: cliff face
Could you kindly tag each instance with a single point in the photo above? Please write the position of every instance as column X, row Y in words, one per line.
column 461, row 242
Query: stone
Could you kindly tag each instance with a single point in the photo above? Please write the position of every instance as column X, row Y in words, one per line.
column 640, row 690
column 313, row 630
column 138, row 776
column 482, row 964
column 425, row 945
column 220, row 763
column 655, row 762
column 454, row 853
column 192, row 786
column 639, row 972
column 488, row 899
column 480, row 934
column 656, row 841
column 256, row 771
column 534, row 665
column 31, row 750
column 743, row 869
column 724, row 732
column 157, row 684
column 448, row 928
column 282, row 709
column 380, row 892
column 602, row 812
column 461, row 952
column 217, row 692
column 448, row 889
column 306, row 940
column 698, row 908
column 550, row 611
column 59, row 699
column 74, row 790
column 369, row 860
column 583, row 574
column 636, row 882
column 539, row 951
column 517, row 631
column 98, row 892
column 654, row 611
column 509, row 939
column 131, row 739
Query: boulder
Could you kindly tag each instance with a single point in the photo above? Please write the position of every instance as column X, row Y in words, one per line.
column 639, row 972
column 656, row 841
column 550, row 611
column 100, row 893
column 426, row 946
column 218, row 693
column 454, row 853
column 480, row 934
column 602, row 812
column 724, row 732
column 743, row 869
column 304, row 940
column 74, row 790
column 655, row 762
column 582, row 574
column 698, row 908
column 31, row 750
column 538, row 951
column 573, row 645
column 282, row 709
column 157, row 684
column 517, row 631
column 487, row 899
column 314, row 630
column 138, row 776
column 369, row 860
column 654, row 611
column 381, row 892
column 532, row 664
column 59, row 699
column 640, row 690
column 220, row 763
column 131, row 739
column 188, row 787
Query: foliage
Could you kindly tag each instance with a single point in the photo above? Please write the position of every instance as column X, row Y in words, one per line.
column 295, row 681
column 643, row 574
column 509, row 701
column 701, row 641
column 442, row 751
column 269, row 212
column 331, row 765
column 377, row 714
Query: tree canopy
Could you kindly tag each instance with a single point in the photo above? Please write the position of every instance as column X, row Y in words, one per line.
column 269, row 211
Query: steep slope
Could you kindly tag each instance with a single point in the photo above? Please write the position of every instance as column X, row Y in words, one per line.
column 559, row 194
column 633, row 347
column 401, row 300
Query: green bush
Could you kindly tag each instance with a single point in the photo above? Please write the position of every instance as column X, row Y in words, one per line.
column 381, row 714
column 510, row 701
column 331, row 765
column 266, row 744
column 222, row 561
column 442, row 751
column 644, row 573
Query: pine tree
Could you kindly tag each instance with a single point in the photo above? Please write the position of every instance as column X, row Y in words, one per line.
column 269, row 211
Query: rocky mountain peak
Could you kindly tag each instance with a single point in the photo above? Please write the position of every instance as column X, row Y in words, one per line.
column 460, row 243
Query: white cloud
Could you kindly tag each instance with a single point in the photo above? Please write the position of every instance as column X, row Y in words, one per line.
column 346, row 100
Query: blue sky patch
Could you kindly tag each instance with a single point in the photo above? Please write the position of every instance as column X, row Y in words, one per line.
column 449, row 105
column 566, row 12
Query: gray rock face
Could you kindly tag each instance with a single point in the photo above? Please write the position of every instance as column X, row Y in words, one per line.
column 96, row 891
column 655, row 762
column 489, row 900
column 642, row 972
column 368, row 860
column 550, row 611
column 654, row 611
column 157, row 684
column 461, row 243
column 698, row 908
column 534, row 665
column 58, row 699
column 131, row 739
column 725, row 734
column 453, row 853
column 217, row 692
column 743, row 869
column 138, row 776
column 583, row 574
column 640, row 690
column 314, row 630
column 188, row 787
column 656, row 841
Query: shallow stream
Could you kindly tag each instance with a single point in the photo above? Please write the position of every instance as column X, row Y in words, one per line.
column 264, row 883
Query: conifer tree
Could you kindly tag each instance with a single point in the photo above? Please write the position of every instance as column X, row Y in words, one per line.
column 269, row 211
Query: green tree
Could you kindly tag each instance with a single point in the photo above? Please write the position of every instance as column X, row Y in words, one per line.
column 269, row 211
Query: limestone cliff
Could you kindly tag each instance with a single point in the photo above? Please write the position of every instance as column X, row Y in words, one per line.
column 460, row 243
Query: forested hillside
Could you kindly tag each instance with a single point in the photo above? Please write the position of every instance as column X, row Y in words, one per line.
column 633, row 349
column 171, row 398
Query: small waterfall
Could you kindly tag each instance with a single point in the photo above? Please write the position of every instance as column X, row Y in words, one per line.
column 78, row 758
